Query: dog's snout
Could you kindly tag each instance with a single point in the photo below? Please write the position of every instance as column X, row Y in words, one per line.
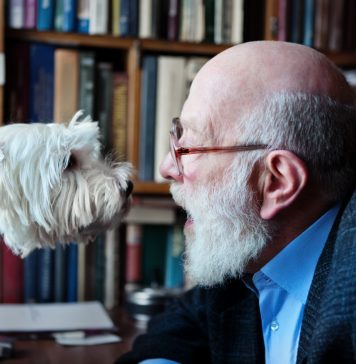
column 129, row 188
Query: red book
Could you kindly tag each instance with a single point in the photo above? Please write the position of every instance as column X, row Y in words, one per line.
column 133, row 253
column 12, row 276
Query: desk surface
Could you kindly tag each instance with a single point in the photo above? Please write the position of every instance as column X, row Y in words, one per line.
column 49, row 352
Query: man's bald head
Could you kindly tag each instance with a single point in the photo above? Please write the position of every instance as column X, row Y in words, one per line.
column 247, row 73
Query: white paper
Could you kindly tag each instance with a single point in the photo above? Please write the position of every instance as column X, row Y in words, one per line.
column 54, row 317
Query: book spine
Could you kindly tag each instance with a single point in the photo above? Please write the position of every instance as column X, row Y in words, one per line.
column 337, row 21
column 98, row 16
column 16, row 14
column 45, row 14
column 283, row 20
column 17, row 95
column 111, row 291
column 30, row 16
column 148, row 116
column 173, row 20
column 124, row 18
column 145, row 19
column 309, row 22
column 119, row 114
column 87, row 82
column 45, row 275
column 297, row 22
column 174, row 275
column 72, row 272
column 133, row 18
column 41, row 83
column 30, row 269
column 115, row 17
column 218, row 21
column 58, row 15
column 66, row 84
column 133, row 260
column 237, row 21
column 60, row 273
column 104, row 102
column 69, row 15
column 12, row 276
column 83, row 16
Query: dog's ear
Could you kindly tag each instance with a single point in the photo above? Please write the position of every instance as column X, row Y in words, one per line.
column 80, row 117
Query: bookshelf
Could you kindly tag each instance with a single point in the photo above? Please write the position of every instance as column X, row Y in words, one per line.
column 132, row 50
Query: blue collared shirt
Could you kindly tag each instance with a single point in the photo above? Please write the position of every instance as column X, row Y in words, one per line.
column 282, row 287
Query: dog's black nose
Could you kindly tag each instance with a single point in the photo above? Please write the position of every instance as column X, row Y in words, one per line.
column 129, row 188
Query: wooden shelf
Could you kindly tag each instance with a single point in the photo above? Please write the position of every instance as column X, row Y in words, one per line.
column 109, row 41
column 150, row 188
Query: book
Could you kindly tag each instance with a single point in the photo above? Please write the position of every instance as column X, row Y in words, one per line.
column 283, row 20
column 169, row 102
column 321, row 24
column 60, row 273
column 336, row 26
column 17, row 95
column 72, row 272
column 30, row 15
column 98, row 16
column 30, row 264
column 309, row 22
column 16, row 14
column 237, row 22
column 297, row 21
column 115, row 17
column 227, row 13
column 145, row 19
column 45, row 275
column 41, row 85
column 128, row 18
column 133, row 261
column 174, row 274
column 119, row 114
column 83, row 10
column 69, row 15
column 58, row 15
column 271, row 20
column 154, row 240
column 349, row 38
column 147, row 118
column 192, row 67
column 86, row 87
column 11, row 276
column 45, row 14
column 173, row 20
column 82, row 272
column 218, row 21
column 66, row 83
column 112, row 258
column 104, row 100
column 209, row 21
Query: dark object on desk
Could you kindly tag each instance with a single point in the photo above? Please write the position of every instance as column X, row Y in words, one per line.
column 144, row 303
column 6, row 347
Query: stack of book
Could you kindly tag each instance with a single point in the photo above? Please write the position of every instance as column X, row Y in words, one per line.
column 213, row 21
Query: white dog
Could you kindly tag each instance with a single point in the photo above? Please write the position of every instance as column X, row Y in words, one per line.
column 54, row 185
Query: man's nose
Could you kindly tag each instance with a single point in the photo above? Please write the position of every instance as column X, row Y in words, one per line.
column 168, row 169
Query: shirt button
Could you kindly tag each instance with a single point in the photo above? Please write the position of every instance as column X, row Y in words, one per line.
column 274, row 325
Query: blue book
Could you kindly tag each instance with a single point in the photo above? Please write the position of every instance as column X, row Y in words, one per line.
column 297, row 22
column 30, row 277
column 83, row 17
column 60, row 273
column 45, row 270
column 309, row 22
column 124, row 17
column 72, row 272
column 174, row 276
column 45, row 14
column 133, row 18
column 41, row 87
column 148, row 117
column 69, row 15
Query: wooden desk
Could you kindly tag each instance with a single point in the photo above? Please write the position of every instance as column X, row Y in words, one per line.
column 49, row 352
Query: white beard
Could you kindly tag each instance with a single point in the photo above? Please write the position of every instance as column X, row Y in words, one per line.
column 227, row 233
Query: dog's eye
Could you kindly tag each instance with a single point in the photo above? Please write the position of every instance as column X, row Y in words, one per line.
column 72, row 163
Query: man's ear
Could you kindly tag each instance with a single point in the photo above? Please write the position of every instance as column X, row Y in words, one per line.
column 284, row 178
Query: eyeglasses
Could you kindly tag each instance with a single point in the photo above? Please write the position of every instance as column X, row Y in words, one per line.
column 176, row 152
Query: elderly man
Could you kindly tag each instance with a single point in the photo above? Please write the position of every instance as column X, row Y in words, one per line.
column 263, row 160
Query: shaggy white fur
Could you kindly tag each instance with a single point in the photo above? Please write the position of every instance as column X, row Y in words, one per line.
column 55, row 186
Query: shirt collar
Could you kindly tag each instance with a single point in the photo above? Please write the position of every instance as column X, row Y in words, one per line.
column 293, row 267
